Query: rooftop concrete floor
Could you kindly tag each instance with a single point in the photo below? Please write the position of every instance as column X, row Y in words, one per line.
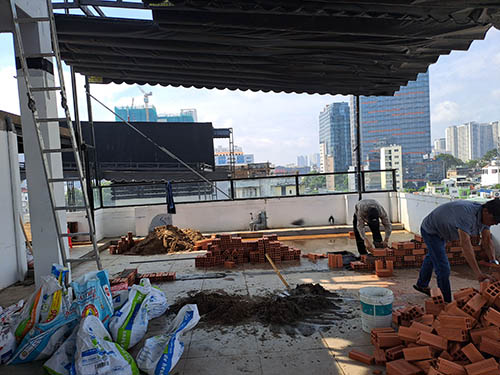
column 253, row 348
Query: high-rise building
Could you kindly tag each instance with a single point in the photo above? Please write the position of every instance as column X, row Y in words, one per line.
column 136, row 113
column 302, row 161
column 185, row 115
column 222, row 156
column 495, row 130
column 391, row 157
column 314, row 161
column 470, row 141
column 402, row 119
column 334, row 134
column 439, row 146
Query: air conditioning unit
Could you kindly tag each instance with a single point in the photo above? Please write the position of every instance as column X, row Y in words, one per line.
column 496, row 194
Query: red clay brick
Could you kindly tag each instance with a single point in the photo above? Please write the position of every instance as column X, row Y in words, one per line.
column 472, row 353
column 408, row 334
column 425, row 365
column 433, row 371
column 421, row 327
column 492, row 316
column 450, row 368
column 379, row 356
column 453, row 334
column 361, row 357
column 491, row 332
column 427, row 319
column 432, row 308
column 474, row 306
column 490, row 346
column 394, row 353
column 435, row 341
column 437, row 296
column 418, row 353
column 450, row 321
column 402, row 367
column 487, row 366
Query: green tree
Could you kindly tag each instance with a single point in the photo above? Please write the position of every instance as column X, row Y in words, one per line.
column 314, row 183
column 492, row 154
column 449, row 160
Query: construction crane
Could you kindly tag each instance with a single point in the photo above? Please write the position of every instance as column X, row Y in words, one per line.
column 146, row 101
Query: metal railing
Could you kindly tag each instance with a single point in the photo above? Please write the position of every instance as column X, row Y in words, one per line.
column 266, row 187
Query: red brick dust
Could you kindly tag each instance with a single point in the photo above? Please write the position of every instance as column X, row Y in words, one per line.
column 220, row 308
column 166, row 239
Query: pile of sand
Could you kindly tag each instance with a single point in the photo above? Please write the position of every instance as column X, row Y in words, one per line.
column 304, row 301
column 166, row 239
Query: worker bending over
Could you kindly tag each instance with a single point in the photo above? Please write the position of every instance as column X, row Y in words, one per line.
column 369, row 211
column 453, row 221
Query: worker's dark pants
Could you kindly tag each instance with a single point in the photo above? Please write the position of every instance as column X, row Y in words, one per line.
column 374, row 228
column 437, row 260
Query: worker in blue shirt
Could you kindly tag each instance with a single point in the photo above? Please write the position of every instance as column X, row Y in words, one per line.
column 457, row 220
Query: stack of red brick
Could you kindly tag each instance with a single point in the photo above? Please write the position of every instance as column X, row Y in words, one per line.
column 411, row 254
column 226, row 248
column 458, row 338
column 124, row 244
column 129, row 277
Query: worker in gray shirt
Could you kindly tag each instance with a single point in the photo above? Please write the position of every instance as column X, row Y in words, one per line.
column 453, row 221
column 369, row 211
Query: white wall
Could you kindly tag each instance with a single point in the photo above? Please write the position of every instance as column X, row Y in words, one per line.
column 413, row 208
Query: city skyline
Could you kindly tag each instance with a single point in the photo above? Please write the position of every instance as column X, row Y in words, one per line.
column 464, row 87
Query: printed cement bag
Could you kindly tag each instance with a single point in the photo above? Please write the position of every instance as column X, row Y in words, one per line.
column 44, row 339
column 93, row 296
column 129, row 324
column 156, row 302
column 62, row 361
column 7, row 343
column 30, row 314
column 97, row 354
column 119, row 298
column 161, row 353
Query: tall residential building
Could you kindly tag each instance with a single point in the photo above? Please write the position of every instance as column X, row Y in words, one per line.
column 322, row 157
column 302, row 161
column 391, row 157
column 495, row 130
column 136, row 113
column 470, row 141
column 314, row 161
column 452, row 140
column 402, row 119
column 334, row 134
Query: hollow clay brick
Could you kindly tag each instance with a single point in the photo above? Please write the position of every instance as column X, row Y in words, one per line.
column 446, row 355
column 490, row 346
column 492, row 316
column 424, row 365
column 437, row 296
column 435, row 341
column 450, row 321
column 379, row 356
column 450, row 368
column 487, row 366
column 394, row 353
column 418, row 353
column 474, row 306
column 421, row 327
column 491, row 332
column 402, row 367
column 374, row 332
column 427, row 319
column 432, row 308
column 361, row 357
column 472, row 354
column 433, row 371
column 388, row 340
column 453, row 334
column 408, row 334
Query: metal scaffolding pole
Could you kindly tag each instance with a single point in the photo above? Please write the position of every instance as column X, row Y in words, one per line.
column 358, row 149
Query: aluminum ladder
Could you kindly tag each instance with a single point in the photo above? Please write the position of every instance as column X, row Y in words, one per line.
column 38, row 121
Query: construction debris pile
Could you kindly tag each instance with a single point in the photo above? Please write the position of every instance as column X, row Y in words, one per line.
column 411, row 254
column 226, row 250
column 462, row 337
column 164, row 239
column 305, row 300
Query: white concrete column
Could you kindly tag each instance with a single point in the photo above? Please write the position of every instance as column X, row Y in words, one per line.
column 13, row 266
column 36, row 38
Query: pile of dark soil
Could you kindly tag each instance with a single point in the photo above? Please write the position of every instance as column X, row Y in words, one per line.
column 304, row 301
column 166, row 239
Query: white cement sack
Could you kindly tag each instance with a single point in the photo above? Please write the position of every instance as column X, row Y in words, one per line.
column 62, row 361
column 7, row 343
column 156, row 302
column 119, row 298
column 96, row 354
column 161, row 353
column 129, row 324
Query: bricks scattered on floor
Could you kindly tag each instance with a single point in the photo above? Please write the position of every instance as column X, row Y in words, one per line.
column 410, row 254
column 129, row 277
column 229, row 251
column 458, row 338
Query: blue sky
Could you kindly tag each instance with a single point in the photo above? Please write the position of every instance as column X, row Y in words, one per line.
column 465, row 86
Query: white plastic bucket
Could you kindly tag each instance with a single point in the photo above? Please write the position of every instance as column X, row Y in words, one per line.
column 376, row 307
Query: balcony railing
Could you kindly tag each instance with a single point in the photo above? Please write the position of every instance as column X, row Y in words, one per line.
column 268, row 187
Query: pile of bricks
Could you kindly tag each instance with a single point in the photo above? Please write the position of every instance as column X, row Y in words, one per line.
column 335, row 261
column 228, row 251
column 410, row 254
column 458, row 338
column 124, row 244
column 129, row 277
